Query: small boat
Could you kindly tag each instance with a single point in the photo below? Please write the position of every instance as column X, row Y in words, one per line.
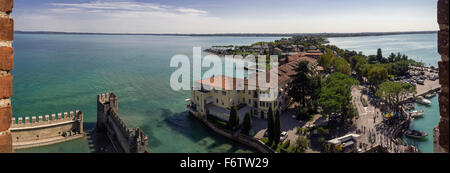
column 423, row 101
column 417, row 114
column 415, row 134
column 187, row 100
column 430, row 95
column 409, row 106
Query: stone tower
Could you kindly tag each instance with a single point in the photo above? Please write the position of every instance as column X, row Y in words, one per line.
column 105, row 104
column 123, row 139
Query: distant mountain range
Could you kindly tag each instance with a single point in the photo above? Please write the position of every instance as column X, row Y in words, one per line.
column 360, row 34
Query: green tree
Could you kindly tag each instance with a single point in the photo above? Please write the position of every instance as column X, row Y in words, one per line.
column 326, row 60
column 277, row 128
column 300, row 85
column 336, row 94
column 379, row 55
column 377, row 75
column 301, row 144
column 233, row 121
column 315, row 86
column 341, row 65
column 270, row 126
column 357, row 62
column 247, row 126
column 395, row 92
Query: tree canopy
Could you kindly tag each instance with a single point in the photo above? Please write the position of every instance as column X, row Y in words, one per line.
column 336, row 94
column 395, row 92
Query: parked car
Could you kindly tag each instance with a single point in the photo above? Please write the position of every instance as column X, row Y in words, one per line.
column 283, row 136
column 421, row 82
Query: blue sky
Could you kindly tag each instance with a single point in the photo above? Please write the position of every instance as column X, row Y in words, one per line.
column 225, row 16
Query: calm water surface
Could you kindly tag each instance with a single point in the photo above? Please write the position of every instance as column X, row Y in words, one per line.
column 57, row 73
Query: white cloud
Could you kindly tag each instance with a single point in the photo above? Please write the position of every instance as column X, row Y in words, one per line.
column 192, row 11
column 138, row 17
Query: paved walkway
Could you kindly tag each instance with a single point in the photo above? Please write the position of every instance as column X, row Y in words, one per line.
column 370, row 125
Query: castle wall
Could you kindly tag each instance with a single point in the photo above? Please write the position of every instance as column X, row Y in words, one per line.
column 44, row 130
column 121, row 137
column 6, row 79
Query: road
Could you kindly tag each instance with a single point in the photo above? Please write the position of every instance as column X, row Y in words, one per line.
column 370, row 124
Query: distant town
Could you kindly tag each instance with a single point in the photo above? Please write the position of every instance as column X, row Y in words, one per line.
column 330, row 100
column 242, row 34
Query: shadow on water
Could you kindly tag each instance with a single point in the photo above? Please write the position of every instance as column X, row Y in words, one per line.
column 188, row 126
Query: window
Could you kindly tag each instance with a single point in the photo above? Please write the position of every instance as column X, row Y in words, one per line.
column 222, row 103
column 249, row 102
column 217, row 101
column 215, row 91
column 224, row 93
column 243, row 100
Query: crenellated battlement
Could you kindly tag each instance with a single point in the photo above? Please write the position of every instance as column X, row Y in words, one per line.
column 127, row 139
column 58, row 118
column 106, row 97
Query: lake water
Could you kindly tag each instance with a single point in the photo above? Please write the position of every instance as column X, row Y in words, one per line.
column 420, row 47
column 58, row 73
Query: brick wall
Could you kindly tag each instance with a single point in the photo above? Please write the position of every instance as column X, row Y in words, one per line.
column 6, row 79
column 441, row 141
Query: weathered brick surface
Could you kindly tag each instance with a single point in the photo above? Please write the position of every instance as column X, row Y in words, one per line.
column 6, row 86
column 5, row 118
column 6, row 5
column 443, row 136
column 443, row 72
column 6, row 29
column 443, row 11
column 6, row 143
column 443, row 43
column 444, row 106
column 443, row 37
column 6, row 58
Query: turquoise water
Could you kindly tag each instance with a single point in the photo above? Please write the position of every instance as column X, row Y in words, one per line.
column 57, row 73
column 427, row 123
column 421, row 47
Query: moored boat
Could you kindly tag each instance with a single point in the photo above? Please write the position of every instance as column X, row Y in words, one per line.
column 417, row 114
column 430, row 95
column 415, row 134
column 423, row 101
column 409, row 106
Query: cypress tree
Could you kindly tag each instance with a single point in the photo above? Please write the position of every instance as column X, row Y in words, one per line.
column 277, row 128
column 232, row 119
column 247, row 124
column 270, row 124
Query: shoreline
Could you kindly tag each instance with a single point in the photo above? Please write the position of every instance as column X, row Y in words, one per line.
column 236, row 136
column 327, row 35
